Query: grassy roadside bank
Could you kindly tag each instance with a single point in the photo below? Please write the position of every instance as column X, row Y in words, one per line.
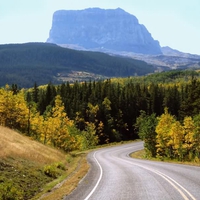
column 67, row 183
column 141, row 155
column 71, row 179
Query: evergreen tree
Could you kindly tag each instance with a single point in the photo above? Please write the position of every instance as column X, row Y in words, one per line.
column 35, row 93
column 190, row 104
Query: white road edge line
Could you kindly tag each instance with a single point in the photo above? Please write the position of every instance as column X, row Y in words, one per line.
column 167, row 178
column 193, row 198
column 100, row 177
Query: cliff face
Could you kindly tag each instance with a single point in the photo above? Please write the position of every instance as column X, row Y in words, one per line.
column 96, row 28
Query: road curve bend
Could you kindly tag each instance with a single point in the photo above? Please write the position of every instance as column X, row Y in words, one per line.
column 115, row 176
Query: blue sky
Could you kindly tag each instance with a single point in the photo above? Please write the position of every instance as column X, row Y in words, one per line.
column 173, row 23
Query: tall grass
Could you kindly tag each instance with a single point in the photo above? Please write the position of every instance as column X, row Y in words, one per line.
column 13, row 144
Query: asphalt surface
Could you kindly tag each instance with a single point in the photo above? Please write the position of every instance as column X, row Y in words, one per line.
column 115, row 176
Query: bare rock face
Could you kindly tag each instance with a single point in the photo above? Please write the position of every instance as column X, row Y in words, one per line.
column 95, row 28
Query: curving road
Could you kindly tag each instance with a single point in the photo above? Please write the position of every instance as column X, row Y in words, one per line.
column 116, row 176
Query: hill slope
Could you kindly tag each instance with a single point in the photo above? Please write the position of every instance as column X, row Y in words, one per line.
column 24, row 64
column 22, row 163
column 16, row 145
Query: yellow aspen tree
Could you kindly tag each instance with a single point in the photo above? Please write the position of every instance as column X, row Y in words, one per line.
column 13, row 109
column 164, row 147
column 36, row 125
column 63, row 135
column 9, row 105
column 197, row 137
column 47, row 127
column 189, row 131
column 58, row 111
column 58, row 115
column 21, row 110
column 2, row 107
column 177, row 139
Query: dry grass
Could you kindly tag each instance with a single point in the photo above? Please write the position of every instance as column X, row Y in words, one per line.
column 138, row 154
column 13, row 144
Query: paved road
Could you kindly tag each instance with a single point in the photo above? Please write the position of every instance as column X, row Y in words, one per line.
column 116, row 176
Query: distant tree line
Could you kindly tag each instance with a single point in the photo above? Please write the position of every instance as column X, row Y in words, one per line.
column 119, row 104
column 81, row 115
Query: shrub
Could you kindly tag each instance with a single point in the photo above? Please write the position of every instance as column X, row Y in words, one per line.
column 61, row 166
column 51, row 171
column 9, row 191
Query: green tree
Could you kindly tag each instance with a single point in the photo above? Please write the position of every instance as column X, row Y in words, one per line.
column 35, row 93
column 146, row 130
column 90, row 136
column 109, row 126
column 190, row 104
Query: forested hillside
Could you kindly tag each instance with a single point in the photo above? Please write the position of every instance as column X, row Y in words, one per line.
column 25, row 64
column 81, row 115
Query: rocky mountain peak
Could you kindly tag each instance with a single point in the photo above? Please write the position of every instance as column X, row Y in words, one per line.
column 95, row 28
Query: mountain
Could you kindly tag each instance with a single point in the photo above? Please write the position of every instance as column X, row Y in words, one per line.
column 168, row 51
column 171, row 58
column 25, row 64
column 97, row 29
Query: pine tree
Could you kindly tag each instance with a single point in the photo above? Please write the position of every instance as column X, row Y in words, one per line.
column 35, row 93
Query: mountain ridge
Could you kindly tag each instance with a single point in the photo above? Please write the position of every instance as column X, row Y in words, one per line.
column 25, row 64
column 166, row 50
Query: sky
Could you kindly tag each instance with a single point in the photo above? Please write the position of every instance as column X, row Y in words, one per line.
column 174, row 23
